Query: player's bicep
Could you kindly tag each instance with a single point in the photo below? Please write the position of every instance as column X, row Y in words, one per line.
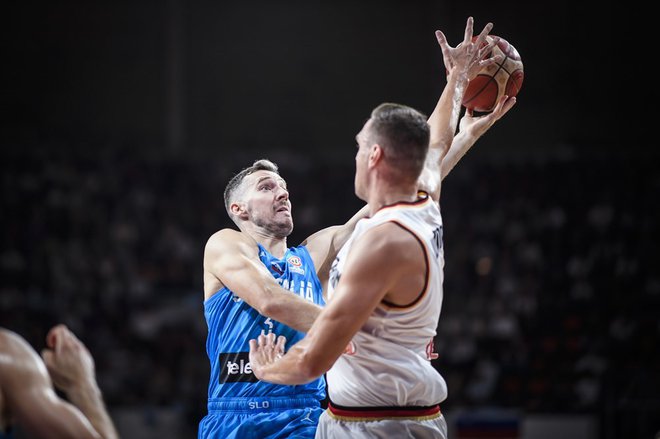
column 246, row 277
column 236, row 264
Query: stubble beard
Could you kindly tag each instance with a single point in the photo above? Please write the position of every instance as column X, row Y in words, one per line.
column 277, row 229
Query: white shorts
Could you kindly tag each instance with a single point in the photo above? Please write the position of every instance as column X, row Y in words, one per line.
column 332, row 426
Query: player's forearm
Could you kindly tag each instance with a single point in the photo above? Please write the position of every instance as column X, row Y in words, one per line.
column 291, row 310
column 459, row 147
column 254, row 284
column 444, row 119
column 88, row 399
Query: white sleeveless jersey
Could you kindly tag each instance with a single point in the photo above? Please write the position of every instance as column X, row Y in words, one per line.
column 390, row 365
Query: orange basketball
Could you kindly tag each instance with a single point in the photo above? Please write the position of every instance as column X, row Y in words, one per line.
column 496, row 80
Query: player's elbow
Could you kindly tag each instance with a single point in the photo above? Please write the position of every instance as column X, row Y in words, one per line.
column 269, row 306
column 440, row 147
column 309, row 368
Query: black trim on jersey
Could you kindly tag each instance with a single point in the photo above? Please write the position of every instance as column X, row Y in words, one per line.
column 426, row 276
column 423, row 196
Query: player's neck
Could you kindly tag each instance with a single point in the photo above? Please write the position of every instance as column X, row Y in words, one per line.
column 275, row 246
column 388, row 194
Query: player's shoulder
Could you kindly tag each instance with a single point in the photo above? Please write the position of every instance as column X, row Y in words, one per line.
column 385, row 249
column 13, row 347
column 228, row 239
column 227, row 236
column 20, row 365
column 9, row 340
column 386, row 238
column 324, row 234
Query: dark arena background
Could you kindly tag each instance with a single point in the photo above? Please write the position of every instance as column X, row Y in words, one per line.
column 123, row 121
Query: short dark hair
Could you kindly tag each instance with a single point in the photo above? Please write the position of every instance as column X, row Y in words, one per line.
column 236, row 180
column 404, row 134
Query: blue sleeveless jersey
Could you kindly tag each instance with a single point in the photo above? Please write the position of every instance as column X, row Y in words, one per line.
column 232, row 323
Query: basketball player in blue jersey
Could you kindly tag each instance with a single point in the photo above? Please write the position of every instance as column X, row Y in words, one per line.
column 385, row 289
column 255, row 284
column 28, row 402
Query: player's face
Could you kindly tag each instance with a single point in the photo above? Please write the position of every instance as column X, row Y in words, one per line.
column 361, row 159
column 267, row 203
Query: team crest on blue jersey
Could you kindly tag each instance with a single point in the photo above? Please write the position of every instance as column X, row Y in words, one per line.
column 295, row 265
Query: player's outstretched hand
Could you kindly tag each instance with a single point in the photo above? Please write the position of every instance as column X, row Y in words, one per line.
column 69, row 363
column 471, row 55
column 265, row 350
column 476, row 126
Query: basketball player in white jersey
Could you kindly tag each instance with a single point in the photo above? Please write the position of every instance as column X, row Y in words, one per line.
column 385, row 290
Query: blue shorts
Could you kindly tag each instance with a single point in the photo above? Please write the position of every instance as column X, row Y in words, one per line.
column 260, row 418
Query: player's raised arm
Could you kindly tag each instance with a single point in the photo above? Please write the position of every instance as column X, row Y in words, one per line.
column 72, row 369
column 462, row 62
column 493, row 93
column 232, row 259
column 31, row 401
column 472, row 128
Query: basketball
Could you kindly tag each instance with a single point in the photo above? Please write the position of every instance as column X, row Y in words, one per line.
column 495, row 80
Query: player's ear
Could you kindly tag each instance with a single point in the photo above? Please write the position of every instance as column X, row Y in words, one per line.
column 238, row 209
column 376, row 154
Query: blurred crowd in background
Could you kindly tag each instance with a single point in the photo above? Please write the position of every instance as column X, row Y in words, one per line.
column 552, row 276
